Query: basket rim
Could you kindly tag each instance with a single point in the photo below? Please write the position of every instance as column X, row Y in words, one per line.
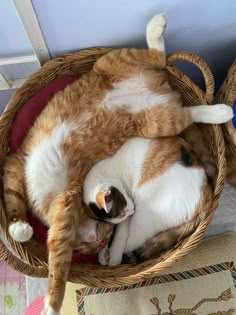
column 227, row 94
column 96, row 275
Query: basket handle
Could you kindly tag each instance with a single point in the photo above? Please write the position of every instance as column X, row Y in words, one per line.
column 201, row 64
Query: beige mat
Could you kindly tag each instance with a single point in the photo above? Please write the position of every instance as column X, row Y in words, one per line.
column 201, row 283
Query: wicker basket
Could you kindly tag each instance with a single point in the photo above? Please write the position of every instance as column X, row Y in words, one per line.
column 227, row 95
column 31, row 259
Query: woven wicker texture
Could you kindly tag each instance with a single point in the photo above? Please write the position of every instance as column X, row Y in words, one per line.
column 227, row 95
column 32, row 259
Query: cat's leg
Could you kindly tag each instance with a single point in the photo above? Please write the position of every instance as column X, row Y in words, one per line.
column 15, row 200
column 60, row 242
column 154, row 32
column 170, row 120
column 119, row 242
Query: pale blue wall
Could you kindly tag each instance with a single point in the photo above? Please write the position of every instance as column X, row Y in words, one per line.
column 206, row 27
column 13, row 39
column 196, row 25
column 5, row 96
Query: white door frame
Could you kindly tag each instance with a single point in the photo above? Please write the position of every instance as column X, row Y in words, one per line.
column 30, row 23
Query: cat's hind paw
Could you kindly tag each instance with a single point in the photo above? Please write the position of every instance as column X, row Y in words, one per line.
column 212, row 114
column 20, row 231
column 222, row 113
column 154, row 31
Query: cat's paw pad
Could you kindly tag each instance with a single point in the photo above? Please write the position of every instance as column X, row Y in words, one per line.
column 154, row 31
column 20, row 231
column 103, row 257
column 48, row 310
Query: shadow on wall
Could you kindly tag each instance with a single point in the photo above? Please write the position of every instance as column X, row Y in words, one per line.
column 219, row 66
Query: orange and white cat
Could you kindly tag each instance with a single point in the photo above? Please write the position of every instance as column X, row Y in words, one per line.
column 162, row 182
column 125, row 95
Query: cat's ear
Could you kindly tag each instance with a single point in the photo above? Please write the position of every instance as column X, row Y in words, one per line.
column 104, row 200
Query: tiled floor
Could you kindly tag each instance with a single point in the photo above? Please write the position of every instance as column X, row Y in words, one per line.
column 12, row 291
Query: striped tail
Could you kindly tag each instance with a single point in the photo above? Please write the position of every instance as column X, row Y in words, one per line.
column 195, row 138
column 163, row 241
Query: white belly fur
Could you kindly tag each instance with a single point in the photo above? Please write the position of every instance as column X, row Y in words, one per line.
column 133, row 95
column 46, row 169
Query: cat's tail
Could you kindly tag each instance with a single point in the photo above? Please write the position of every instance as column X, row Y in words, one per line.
column 15, row 200
column 166, row 240
column 195, row 138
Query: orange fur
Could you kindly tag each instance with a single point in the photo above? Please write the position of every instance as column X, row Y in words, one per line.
column 100, row 198
column 166, row 152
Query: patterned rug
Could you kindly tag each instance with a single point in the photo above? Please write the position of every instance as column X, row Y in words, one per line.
column 200, row 284
column 209, row 290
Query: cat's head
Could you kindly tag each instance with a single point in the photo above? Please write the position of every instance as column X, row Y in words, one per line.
column 110, row 204
column 92, row 235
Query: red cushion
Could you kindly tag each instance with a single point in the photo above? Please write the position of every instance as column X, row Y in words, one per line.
column 24, row 119
column 30, row 111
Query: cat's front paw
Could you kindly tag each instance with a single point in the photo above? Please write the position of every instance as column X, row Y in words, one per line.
column 104, row 256
column 115, row 259
column 48, row 310
column 20, row 231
